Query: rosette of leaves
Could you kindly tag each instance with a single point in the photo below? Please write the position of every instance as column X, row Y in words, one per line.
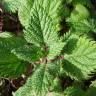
column 42, row 47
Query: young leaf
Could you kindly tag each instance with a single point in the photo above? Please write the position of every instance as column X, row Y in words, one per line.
column 79, row 13
column 48, row 5
column 42, row 30
column 55, row 50
column 53, row 12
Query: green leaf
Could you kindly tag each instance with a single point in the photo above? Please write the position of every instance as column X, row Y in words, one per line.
column 52, row 11
column 42, row 30
column 27, row 5
column 39, row 83
column 28, row 53
column 74, row 91
column 12, row 69
column 43, row 20
column 83, row 2
column 6, row 35
column 70, row 41
column 24, row 11
column 55, row 49
column 79, row 13
column 54, row 94
column 10, row 65
column 10, row 41
column 80, row 61
column 56, row 85
column 83, row 26
column 80, row 21
column 92, row 89
column 11, row 5
column 41, row 27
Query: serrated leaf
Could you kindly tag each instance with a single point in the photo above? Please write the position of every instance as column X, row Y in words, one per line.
column 82, row 27
column 24, row 11
column 42, row 30
column 52, row 11
column 70, row 42
column 11, row 5
column 12, row 69
column 28, row 53
column 81, row 59
column 55, row 49
column 10, row 65
column 43, row 24
column 74, row 91
column 80, row 21
column 39, row 83
column 79, row 13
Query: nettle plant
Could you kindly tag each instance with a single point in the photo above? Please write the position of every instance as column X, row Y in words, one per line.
column 52, row 57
